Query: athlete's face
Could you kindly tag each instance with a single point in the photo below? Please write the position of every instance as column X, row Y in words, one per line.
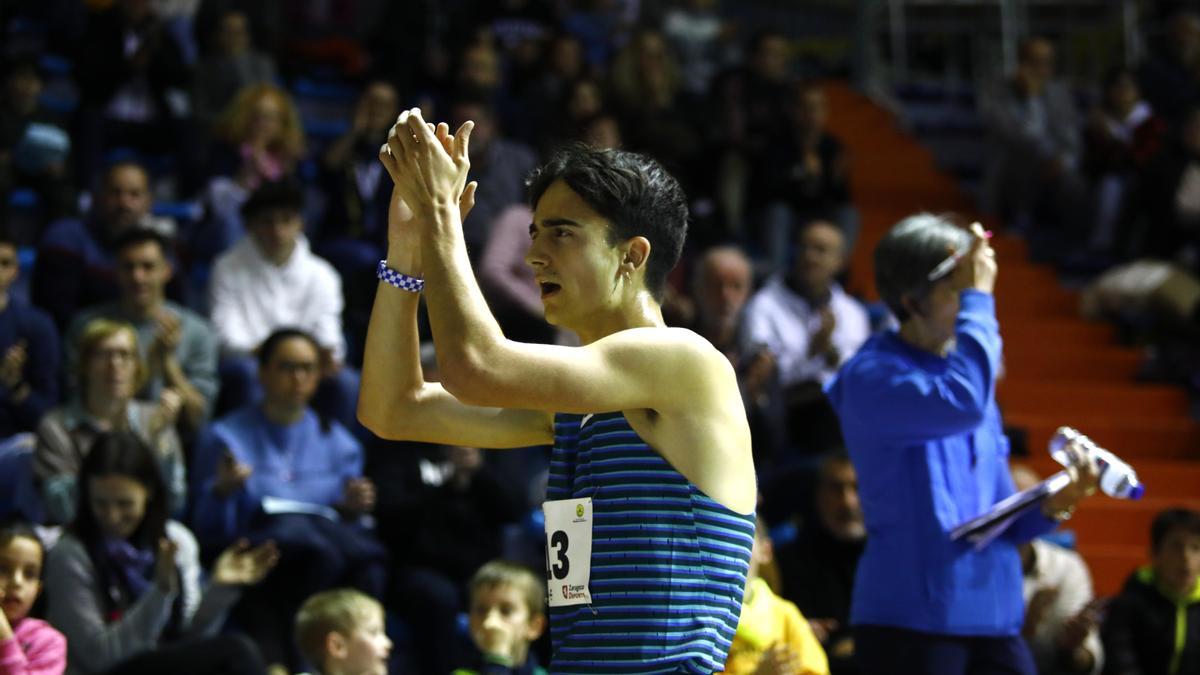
column 578, row 271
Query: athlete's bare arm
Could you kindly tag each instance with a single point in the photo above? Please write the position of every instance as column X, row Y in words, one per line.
column 682, row 392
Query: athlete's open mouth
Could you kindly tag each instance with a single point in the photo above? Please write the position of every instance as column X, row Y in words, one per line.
column 549, row 288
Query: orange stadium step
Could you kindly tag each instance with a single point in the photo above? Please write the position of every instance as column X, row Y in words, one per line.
column 1056, row 361
column 1164, row 439
column 1085, row 399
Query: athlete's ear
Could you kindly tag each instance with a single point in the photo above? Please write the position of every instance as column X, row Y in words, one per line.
column 637, row 252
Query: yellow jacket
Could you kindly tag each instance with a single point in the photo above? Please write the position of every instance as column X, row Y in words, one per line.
column 766, row 620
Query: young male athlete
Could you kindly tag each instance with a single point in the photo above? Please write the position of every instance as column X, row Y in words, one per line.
column 649, row 517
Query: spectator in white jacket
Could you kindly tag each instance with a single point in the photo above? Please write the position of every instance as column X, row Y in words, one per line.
column 269, row 280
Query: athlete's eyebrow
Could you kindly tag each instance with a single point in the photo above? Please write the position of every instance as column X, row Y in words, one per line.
column 554, row 222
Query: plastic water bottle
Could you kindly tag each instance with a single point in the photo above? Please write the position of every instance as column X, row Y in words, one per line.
column 1117, row 479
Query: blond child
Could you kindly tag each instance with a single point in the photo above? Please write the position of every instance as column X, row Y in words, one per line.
column 27, row 646
column 507, row 614
column 773, row 637
column 341, row 632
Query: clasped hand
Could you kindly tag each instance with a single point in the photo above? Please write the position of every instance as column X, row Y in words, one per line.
column 428, row 165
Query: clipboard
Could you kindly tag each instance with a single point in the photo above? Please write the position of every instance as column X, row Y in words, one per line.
column 984, row 528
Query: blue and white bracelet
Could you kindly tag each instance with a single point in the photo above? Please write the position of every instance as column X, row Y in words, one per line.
column 402, row 281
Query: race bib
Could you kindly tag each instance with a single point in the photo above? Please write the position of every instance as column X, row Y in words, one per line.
column 568, row 551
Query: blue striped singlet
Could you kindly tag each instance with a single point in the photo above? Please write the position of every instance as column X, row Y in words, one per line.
column 668, row 565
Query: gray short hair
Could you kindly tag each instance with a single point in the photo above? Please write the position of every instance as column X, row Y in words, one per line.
column 909, row 252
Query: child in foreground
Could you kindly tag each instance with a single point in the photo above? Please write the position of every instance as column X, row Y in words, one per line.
column 27, row 646
column 507, row 615
column 341, row 632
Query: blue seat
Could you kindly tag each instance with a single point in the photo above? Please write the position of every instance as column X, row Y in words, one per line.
column 18, row 496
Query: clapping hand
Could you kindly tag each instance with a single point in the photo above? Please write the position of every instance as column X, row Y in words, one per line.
column 231, row 475
column 427, row 164
column 12, row 367
column 359, row 496
column 778, row 659
column 166, row 575
column 241, row 565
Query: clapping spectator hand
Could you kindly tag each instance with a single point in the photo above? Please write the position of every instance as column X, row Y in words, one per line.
column 241, row 565
column 359, row 497
column 167, row 334
column 823, row 628
column 166, row 574
column 465, row 462
column 12, row 370
column 1035, row 611
column 231, row 475
column 170, row 403
column 778, row 659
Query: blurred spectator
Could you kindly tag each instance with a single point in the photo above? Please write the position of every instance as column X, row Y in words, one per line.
column 513, row 22
column 1034, row 133
column 752, row 106
column 773, row 637
column 802, row 178
column 277, row 471
column 124, row 582
column 1062, row 617
column 75, row 265
column 602, row 131
column 177, row 345
column 133, row 84
column 646, row 86
column 697, row 33
column 1153, row 625
column 261, row 140
column 1170, row 77
column 28, row 646
column 1169, row 201
column 599, row 27
column 33, row 145
column 340, row 632
column 582, row 100
column 108, row 374
column 818, row 567
column 810, row 326
column 442, row 516
column 231, row 63
column 271, row 280
column 543, row 95
column 498, row 164
column 354, row 234
column 1122, row 136
column 29, row 356
column 507, row 280
column 507, row 612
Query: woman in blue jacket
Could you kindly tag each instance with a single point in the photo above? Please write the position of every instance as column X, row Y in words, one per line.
column 918, row 411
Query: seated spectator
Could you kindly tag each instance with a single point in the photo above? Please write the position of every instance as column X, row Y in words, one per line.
column 810, row 326
column 499, row 165
column 1169, row 76
column 1169, row 201
column 271, row 279
column 1121, row 137
column 1033, row 176
column 442, row 516
column 133, row 90
column 1153, row 625
column 818, row 567
column 75, row 265
column 697, row 32
column 33, row 144
column 340, row 632
column 260, row 140
column 507, row 613
column 277, row 471
column 646, row 87
column 176, row 344
column 27, row 645
column 231, row 63
column 1062, row 617
column 354, row 234
column 801, row 178
column 507, row 280
column 29, row 356
column 108, row 374
column 123, row 583
column 772, row 636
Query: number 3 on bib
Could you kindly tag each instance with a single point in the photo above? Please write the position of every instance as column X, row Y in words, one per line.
column 568, row 551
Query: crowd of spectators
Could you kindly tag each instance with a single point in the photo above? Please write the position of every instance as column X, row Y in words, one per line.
column 192, row 211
